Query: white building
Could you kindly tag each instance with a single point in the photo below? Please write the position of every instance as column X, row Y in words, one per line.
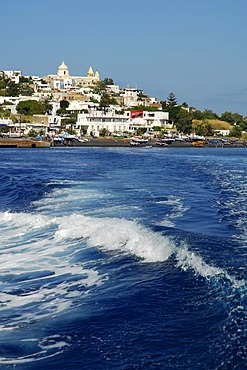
column 149, row 120
column 222, row 132
column 78, row 105
column 13, row 75
column 95, row 121
column 14, row 100
column 63, row 80
column 114, row 89
column 5, row 122
column 130, row 96
column 130, row 121
column 52, row 122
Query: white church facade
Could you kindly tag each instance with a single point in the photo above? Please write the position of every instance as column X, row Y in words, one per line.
column 63, row 80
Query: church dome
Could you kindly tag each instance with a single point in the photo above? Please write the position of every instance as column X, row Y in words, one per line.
column 63, row 66
column 63, row 70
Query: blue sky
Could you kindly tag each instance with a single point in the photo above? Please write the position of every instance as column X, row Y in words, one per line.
column 194, row 48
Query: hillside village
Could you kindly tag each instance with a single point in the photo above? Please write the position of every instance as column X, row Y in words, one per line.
column 88, row 106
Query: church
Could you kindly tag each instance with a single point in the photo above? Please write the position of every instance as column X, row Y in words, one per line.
column 63, row 80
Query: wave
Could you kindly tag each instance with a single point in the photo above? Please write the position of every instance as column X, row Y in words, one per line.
column 34, row 237
column 117, row 234
column 40, row 278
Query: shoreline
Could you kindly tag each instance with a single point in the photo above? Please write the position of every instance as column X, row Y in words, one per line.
column 108, row 143
column 112, row 142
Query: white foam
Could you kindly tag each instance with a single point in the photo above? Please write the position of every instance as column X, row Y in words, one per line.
column 38, row 250
column 112, row 234
column 177, row 210
column 190, row 260
column 187, row 260
column 31, row 256
column 117, row 234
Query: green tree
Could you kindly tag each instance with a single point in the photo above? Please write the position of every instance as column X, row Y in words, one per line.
column 227, row 116
column 209, row 130
column 209, row 114
column 10, row 88
column 200, row 129
column 33, row 133
column 236, row 131
column 243, row 125
column 104, row 132
column 171, row 100
column 108, row 81
column 196, row 114
column 99, row 87
column 47, row 106
column 105, row 101
column 184, row 121
column 171, row 106
column 157, row 128
column 25, row 89
column 4, row 129
column 232, row 117
column 30, row 107
column 141, row 130
column 64, row 104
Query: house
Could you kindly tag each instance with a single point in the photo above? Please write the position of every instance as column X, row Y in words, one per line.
column 94, row 121
column 222, row 132
column 48, row 121
column 97, row 120
column 14, row 76
column 149, row 120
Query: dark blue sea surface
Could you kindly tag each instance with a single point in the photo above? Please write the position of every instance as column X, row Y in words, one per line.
column 123, row 258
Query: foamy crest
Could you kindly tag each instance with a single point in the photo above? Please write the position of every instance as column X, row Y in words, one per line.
column 36, row 257
column 38, row 274
column 190, row 260
column 187, row 260
column 117, row 234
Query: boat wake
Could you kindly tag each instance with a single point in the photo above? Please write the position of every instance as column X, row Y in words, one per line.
column 39, row 269
column 47, row 268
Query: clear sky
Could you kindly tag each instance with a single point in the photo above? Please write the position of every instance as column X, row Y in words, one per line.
column 194, row 48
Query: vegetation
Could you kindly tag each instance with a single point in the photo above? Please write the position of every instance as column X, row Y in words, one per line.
column 141, row 131
column 104, row 132
column 30, row 107
column 189, row 119
column 64, row 104
column 10, row 88
column 108, row 81
column 186, row 119
column 4, row 129
column 143, row 107
column 106, row 100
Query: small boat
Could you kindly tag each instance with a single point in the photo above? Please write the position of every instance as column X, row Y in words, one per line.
column 161, row 143
column 137, row 141
column 68, row 140
column 198, row 143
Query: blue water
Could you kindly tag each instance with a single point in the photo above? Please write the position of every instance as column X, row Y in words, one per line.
column 123, row 258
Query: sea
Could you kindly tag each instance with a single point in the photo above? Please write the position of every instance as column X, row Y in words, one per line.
column 123, row 258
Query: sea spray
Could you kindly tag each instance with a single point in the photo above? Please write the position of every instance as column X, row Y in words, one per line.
column 117, row 234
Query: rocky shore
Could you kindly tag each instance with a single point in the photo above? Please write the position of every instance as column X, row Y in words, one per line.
column 110, row 142
column 113, row 142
